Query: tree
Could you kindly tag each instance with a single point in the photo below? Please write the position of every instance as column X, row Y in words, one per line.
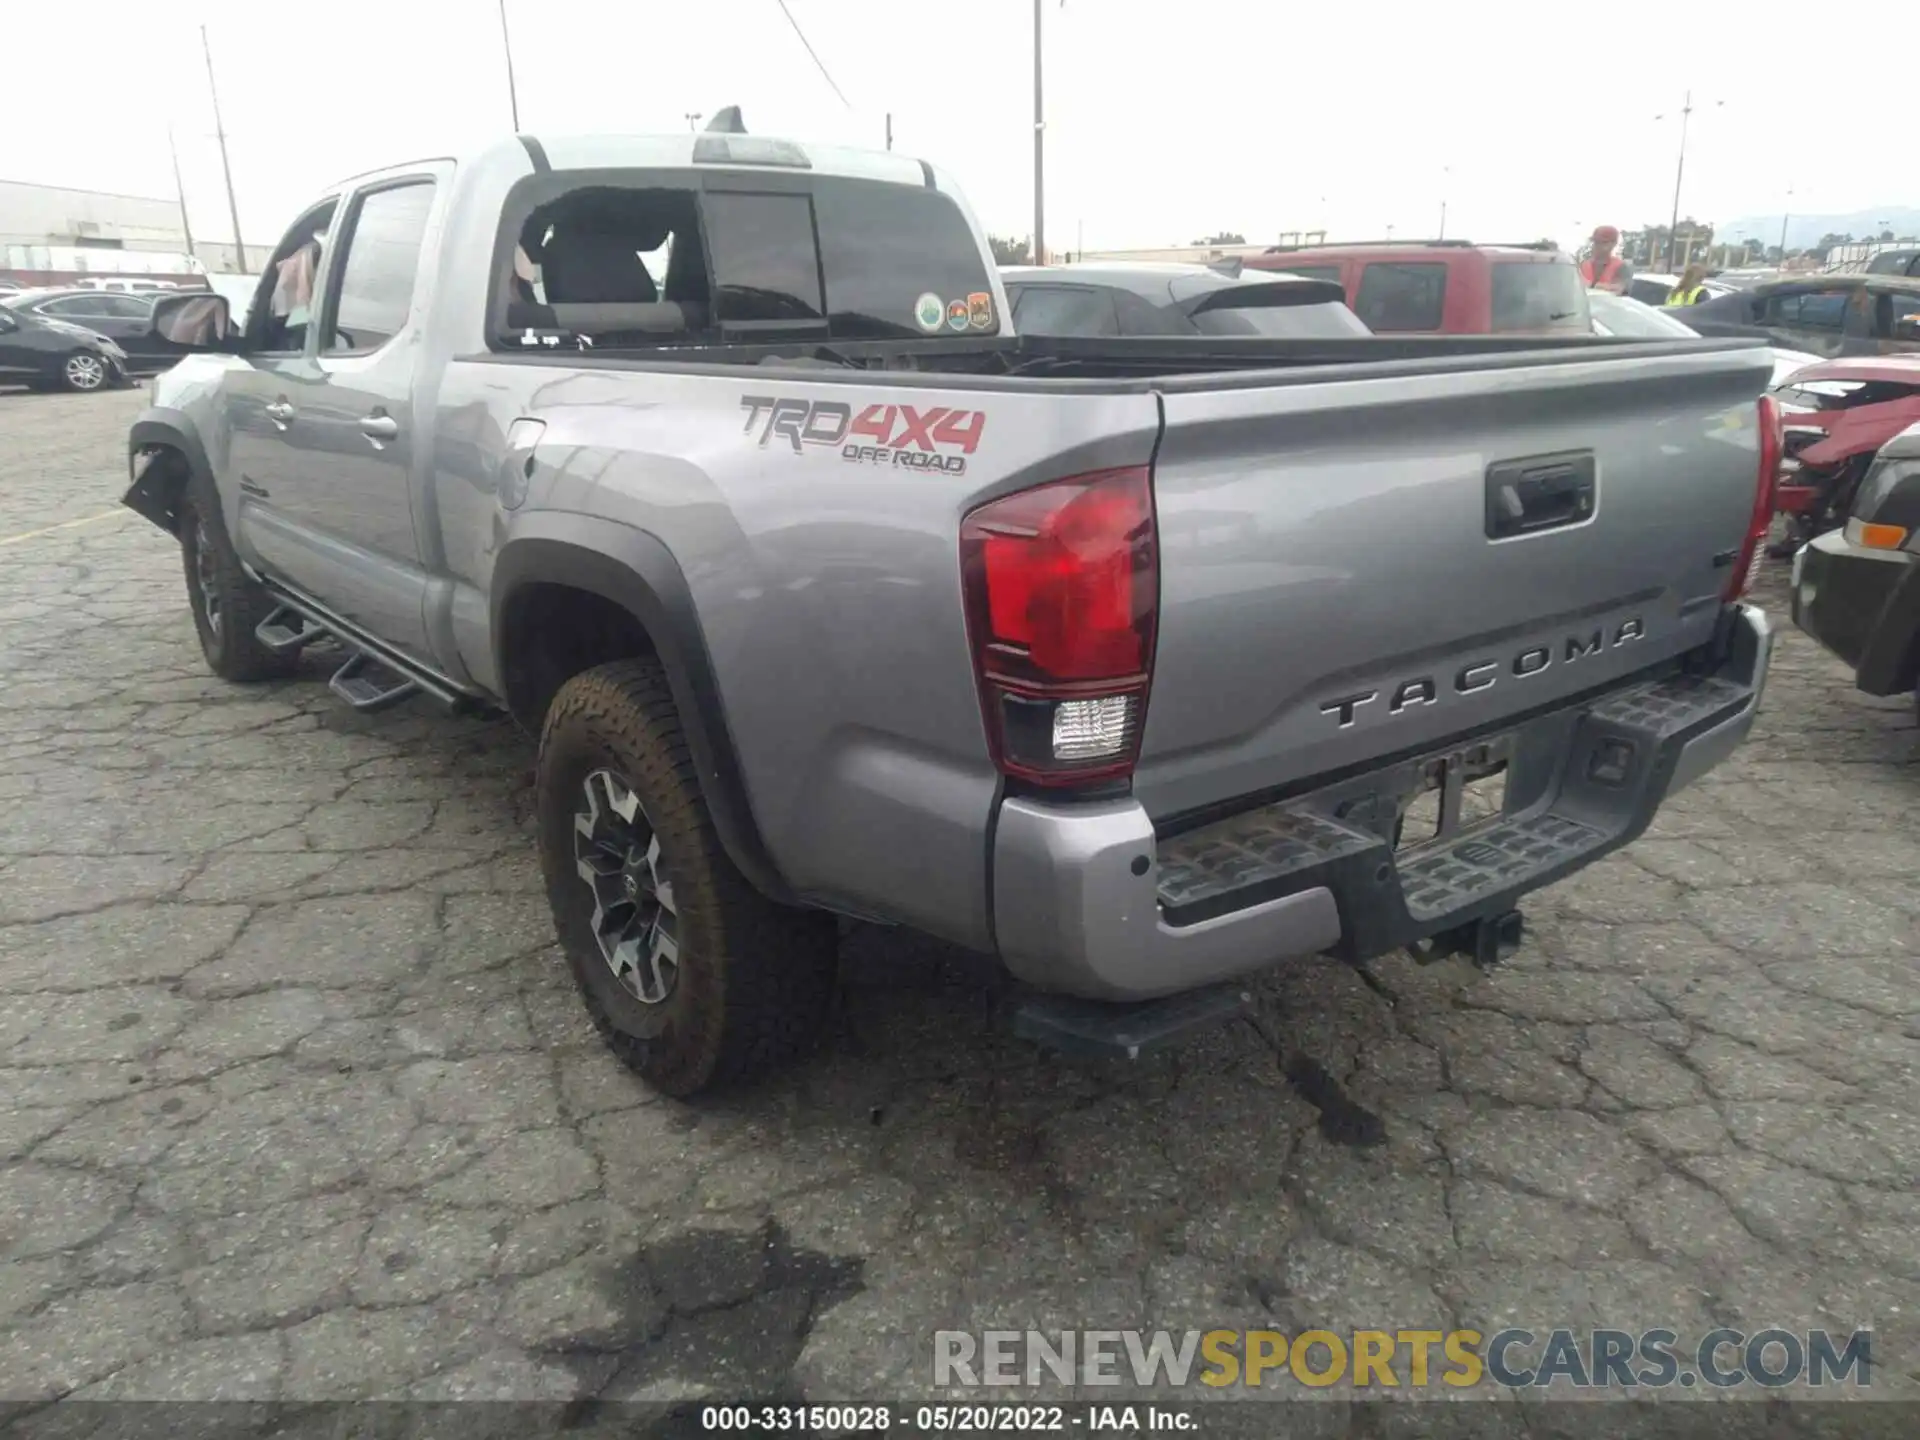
column 1225, row 237
column 1886, row 237
column 1009, row 250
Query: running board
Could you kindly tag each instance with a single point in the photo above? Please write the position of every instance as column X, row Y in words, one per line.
column 375, row 675
column 367, row 685
column 287, row 630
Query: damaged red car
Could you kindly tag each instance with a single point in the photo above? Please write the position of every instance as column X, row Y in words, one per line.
column 1837, row 416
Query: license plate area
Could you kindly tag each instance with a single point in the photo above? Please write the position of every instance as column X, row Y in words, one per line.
column 1430, row 800
column 1453, row 795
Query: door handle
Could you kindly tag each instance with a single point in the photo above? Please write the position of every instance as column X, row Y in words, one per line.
column 280, row 412
column 379, row 426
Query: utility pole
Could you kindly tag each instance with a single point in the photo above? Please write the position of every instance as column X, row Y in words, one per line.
column 513, row 90
column 889, row 129
column 1446, row 174
column 1039, row 147
column 180, row 189
column 1679, row 170
column 1786, row 215
column 226, row 167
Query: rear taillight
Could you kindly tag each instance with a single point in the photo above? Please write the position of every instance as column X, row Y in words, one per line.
column 1062, row 589
column 1746, row 568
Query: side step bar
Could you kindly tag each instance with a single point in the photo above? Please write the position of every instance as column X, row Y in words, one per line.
column 375, row 675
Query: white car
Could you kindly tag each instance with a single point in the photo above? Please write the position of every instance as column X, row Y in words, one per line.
column 1617, row 315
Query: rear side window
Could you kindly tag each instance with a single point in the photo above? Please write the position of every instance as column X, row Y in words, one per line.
column 383, row 257
column 1401, row 296
column 1529, row 295
column 765, row 266
column 885, row 246
column 1816, row 310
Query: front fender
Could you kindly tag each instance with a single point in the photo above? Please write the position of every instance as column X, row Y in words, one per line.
column 635, row 571
column 155, row 490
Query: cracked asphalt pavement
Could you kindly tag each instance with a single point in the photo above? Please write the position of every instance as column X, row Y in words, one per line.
column 297, row 1101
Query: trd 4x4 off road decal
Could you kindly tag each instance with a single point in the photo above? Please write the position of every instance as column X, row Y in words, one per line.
column 935, row 438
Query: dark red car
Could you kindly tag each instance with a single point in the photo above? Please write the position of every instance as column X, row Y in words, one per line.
column 1837, row 416
column 1447, row 287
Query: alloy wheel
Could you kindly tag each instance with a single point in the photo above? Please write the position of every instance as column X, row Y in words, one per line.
column 617, row 854
column 206, row 578
column 85, row 372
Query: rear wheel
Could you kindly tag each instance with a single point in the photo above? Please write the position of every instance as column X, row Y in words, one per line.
column 691, row 976
column 84, row 370
column 226, row 604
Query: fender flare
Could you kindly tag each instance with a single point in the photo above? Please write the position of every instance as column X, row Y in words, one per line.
column 634, row 570
column 155, row 495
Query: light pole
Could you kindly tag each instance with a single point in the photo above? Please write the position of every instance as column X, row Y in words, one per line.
column 1446, row 172
column 226, row 167
column 506, row 43
column 1785, row 215
column 693, row 117
column 180, row 189
column 1039, row 145
column 1679, row 170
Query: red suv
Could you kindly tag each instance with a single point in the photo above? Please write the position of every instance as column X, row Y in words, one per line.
column 1447, row 287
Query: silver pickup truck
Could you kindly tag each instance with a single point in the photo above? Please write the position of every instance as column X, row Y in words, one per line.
column 714, row 461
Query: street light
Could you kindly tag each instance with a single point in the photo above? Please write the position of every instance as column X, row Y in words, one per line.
column 1679, row 170
column 693, row 117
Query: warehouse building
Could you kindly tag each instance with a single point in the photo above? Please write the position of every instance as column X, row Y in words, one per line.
column 53, row 217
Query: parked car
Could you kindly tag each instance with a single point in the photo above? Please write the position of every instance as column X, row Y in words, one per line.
column 1653, row 289
column 1144, row 299
column 1835, row 417
column 9, row 286
column 828, row 594
column 1857, row 589
column 1446, row 287
column 46, row 353
column 125, row 319
column 1618, row 315
column 1828, row 315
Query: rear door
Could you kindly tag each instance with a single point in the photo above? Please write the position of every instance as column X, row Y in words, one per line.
column 1339, row 580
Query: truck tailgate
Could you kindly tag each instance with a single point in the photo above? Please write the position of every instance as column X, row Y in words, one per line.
column 1354, row 566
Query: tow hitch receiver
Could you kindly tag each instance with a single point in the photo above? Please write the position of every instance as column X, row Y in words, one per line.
column 1485, row 942
column 1126, row 1031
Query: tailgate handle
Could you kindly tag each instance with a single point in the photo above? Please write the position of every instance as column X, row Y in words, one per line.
column 1542, row 492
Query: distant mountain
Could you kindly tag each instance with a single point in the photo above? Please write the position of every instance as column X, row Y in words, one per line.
column 1807, row 230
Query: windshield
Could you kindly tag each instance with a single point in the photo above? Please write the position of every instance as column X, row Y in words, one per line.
column 1617, row 315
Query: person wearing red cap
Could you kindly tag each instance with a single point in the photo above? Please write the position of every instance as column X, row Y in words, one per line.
column 1602, row 269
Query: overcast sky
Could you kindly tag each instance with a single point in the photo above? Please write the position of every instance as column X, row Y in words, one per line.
column 1165, row 121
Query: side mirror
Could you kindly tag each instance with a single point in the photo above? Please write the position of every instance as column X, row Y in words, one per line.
column 195, row 321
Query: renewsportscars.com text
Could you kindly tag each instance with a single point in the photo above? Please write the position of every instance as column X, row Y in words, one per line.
column 1515, row 1358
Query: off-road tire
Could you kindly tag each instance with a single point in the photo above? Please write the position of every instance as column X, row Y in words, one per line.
column 755, row 979
column 232, row 649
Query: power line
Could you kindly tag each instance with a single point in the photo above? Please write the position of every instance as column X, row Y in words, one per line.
column 817, row 62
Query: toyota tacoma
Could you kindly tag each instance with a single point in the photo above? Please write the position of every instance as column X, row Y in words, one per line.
column 715, row 461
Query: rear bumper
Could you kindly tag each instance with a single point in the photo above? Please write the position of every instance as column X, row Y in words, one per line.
column 1848, row 598
column 1090, row 901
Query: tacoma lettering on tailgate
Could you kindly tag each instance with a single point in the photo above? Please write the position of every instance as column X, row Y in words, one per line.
column 1484, row 674
column 934, row 438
